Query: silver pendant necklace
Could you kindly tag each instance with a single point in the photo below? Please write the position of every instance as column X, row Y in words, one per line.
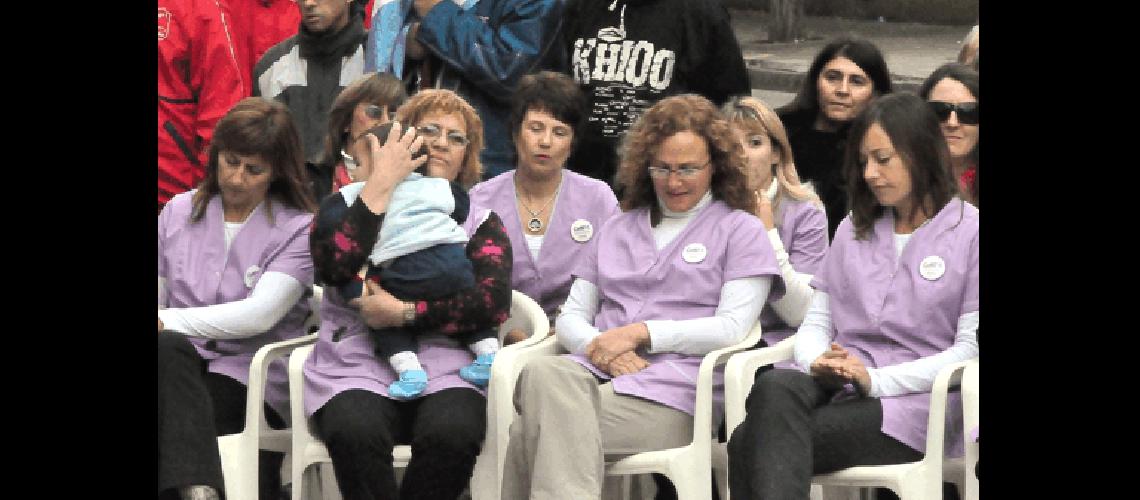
column 535, row 224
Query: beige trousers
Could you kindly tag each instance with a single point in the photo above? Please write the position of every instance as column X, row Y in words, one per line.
column 567, row 419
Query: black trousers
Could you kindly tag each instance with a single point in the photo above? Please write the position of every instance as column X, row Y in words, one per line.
column 445, row 430
column 194, row 408
column 792, row 432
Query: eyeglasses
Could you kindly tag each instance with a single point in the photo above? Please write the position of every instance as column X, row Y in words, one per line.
column 432, row 131
column 967, row 111
column 683, row 171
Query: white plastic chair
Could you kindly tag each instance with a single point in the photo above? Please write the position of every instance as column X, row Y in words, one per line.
column 239, row 451
column 688, row 467
column 919, row 480
column 968, row 487
column 308, row 449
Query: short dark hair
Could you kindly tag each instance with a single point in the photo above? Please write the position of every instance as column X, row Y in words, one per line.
column 916, row 136
column 861, row 52
column 258, row 126
column 554, row 93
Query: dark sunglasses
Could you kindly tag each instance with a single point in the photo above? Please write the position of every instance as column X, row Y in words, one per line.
column 967, row 111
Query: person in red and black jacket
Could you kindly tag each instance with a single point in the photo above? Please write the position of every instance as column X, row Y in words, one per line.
column 199, row 79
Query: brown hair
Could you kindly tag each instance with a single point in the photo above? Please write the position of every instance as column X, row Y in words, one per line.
column 754, row 117
column 258, row 126
column 685, row 112
column 431, row 101
column 381, row 89
column 916, row 136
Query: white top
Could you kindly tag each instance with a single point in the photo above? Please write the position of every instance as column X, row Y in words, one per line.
column 814, row 338
column 741, row 301
column 534, row 244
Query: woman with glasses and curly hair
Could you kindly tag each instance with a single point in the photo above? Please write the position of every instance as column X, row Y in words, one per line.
column 684, row 270
column 349, row 388
column 791, row 212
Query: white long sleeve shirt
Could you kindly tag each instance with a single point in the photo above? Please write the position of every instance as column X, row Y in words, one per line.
column 271, row 298
column 741, row 301
column 815, row 334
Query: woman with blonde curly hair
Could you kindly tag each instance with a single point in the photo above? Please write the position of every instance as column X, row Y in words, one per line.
column 347, row 386
column 684, row 270
column 791, row 212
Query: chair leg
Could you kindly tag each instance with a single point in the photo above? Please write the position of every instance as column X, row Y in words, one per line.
column 692, row 483
column 721, row 476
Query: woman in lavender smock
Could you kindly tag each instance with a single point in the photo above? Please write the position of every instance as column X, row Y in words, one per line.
column 553, row 215
column 233, row 271
column 896, row 300
column 346, row 384
column 684, row 270
column 790, row 211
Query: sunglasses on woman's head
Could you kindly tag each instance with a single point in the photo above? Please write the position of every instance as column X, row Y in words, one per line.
column 967, row 111
column 740, row 110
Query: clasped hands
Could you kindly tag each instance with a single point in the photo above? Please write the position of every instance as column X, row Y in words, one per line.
column 836, row 367
column 613, row 350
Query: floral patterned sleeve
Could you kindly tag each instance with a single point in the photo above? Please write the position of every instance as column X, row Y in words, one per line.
column 488, row 303
column 341, row 239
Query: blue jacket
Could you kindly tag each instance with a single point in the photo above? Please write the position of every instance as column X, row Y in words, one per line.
column 485, row 52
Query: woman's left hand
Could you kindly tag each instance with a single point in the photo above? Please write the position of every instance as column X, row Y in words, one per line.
column 377, row 307
column 615, row 341
column 625, row 364
column 853, row 369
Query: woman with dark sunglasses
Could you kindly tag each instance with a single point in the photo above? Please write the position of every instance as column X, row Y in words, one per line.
column 953, row 91
column 845, row 77
column 366, row 103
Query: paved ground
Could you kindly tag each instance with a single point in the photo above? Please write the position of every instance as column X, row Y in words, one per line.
column 912, row 50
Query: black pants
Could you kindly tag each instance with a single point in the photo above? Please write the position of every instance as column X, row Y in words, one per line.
column 791, row 432
column 194, row 408
column 445, row 430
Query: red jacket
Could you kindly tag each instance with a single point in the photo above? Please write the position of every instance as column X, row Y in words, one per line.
column 199, row 79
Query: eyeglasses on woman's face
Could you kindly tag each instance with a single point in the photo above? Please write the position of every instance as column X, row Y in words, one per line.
column 662, row 171
column 432, row 131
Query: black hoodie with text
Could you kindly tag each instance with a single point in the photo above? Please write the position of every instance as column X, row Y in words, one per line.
column 628, row 54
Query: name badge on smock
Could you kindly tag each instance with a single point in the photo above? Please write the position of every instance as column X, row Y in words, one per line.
column 932, row 268
column 251, row 276
column 694, row 253
column 581, row 230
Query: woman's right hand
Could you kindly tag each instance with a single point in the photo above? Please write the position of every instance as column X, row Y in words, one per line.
column 828, row 368
column 625, row 364
column 377, row 307
column 390, row 163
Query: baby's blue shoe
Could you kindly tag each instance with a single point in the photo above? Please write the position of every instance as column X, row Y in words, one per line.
column 478, row 372
column 411, row 384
